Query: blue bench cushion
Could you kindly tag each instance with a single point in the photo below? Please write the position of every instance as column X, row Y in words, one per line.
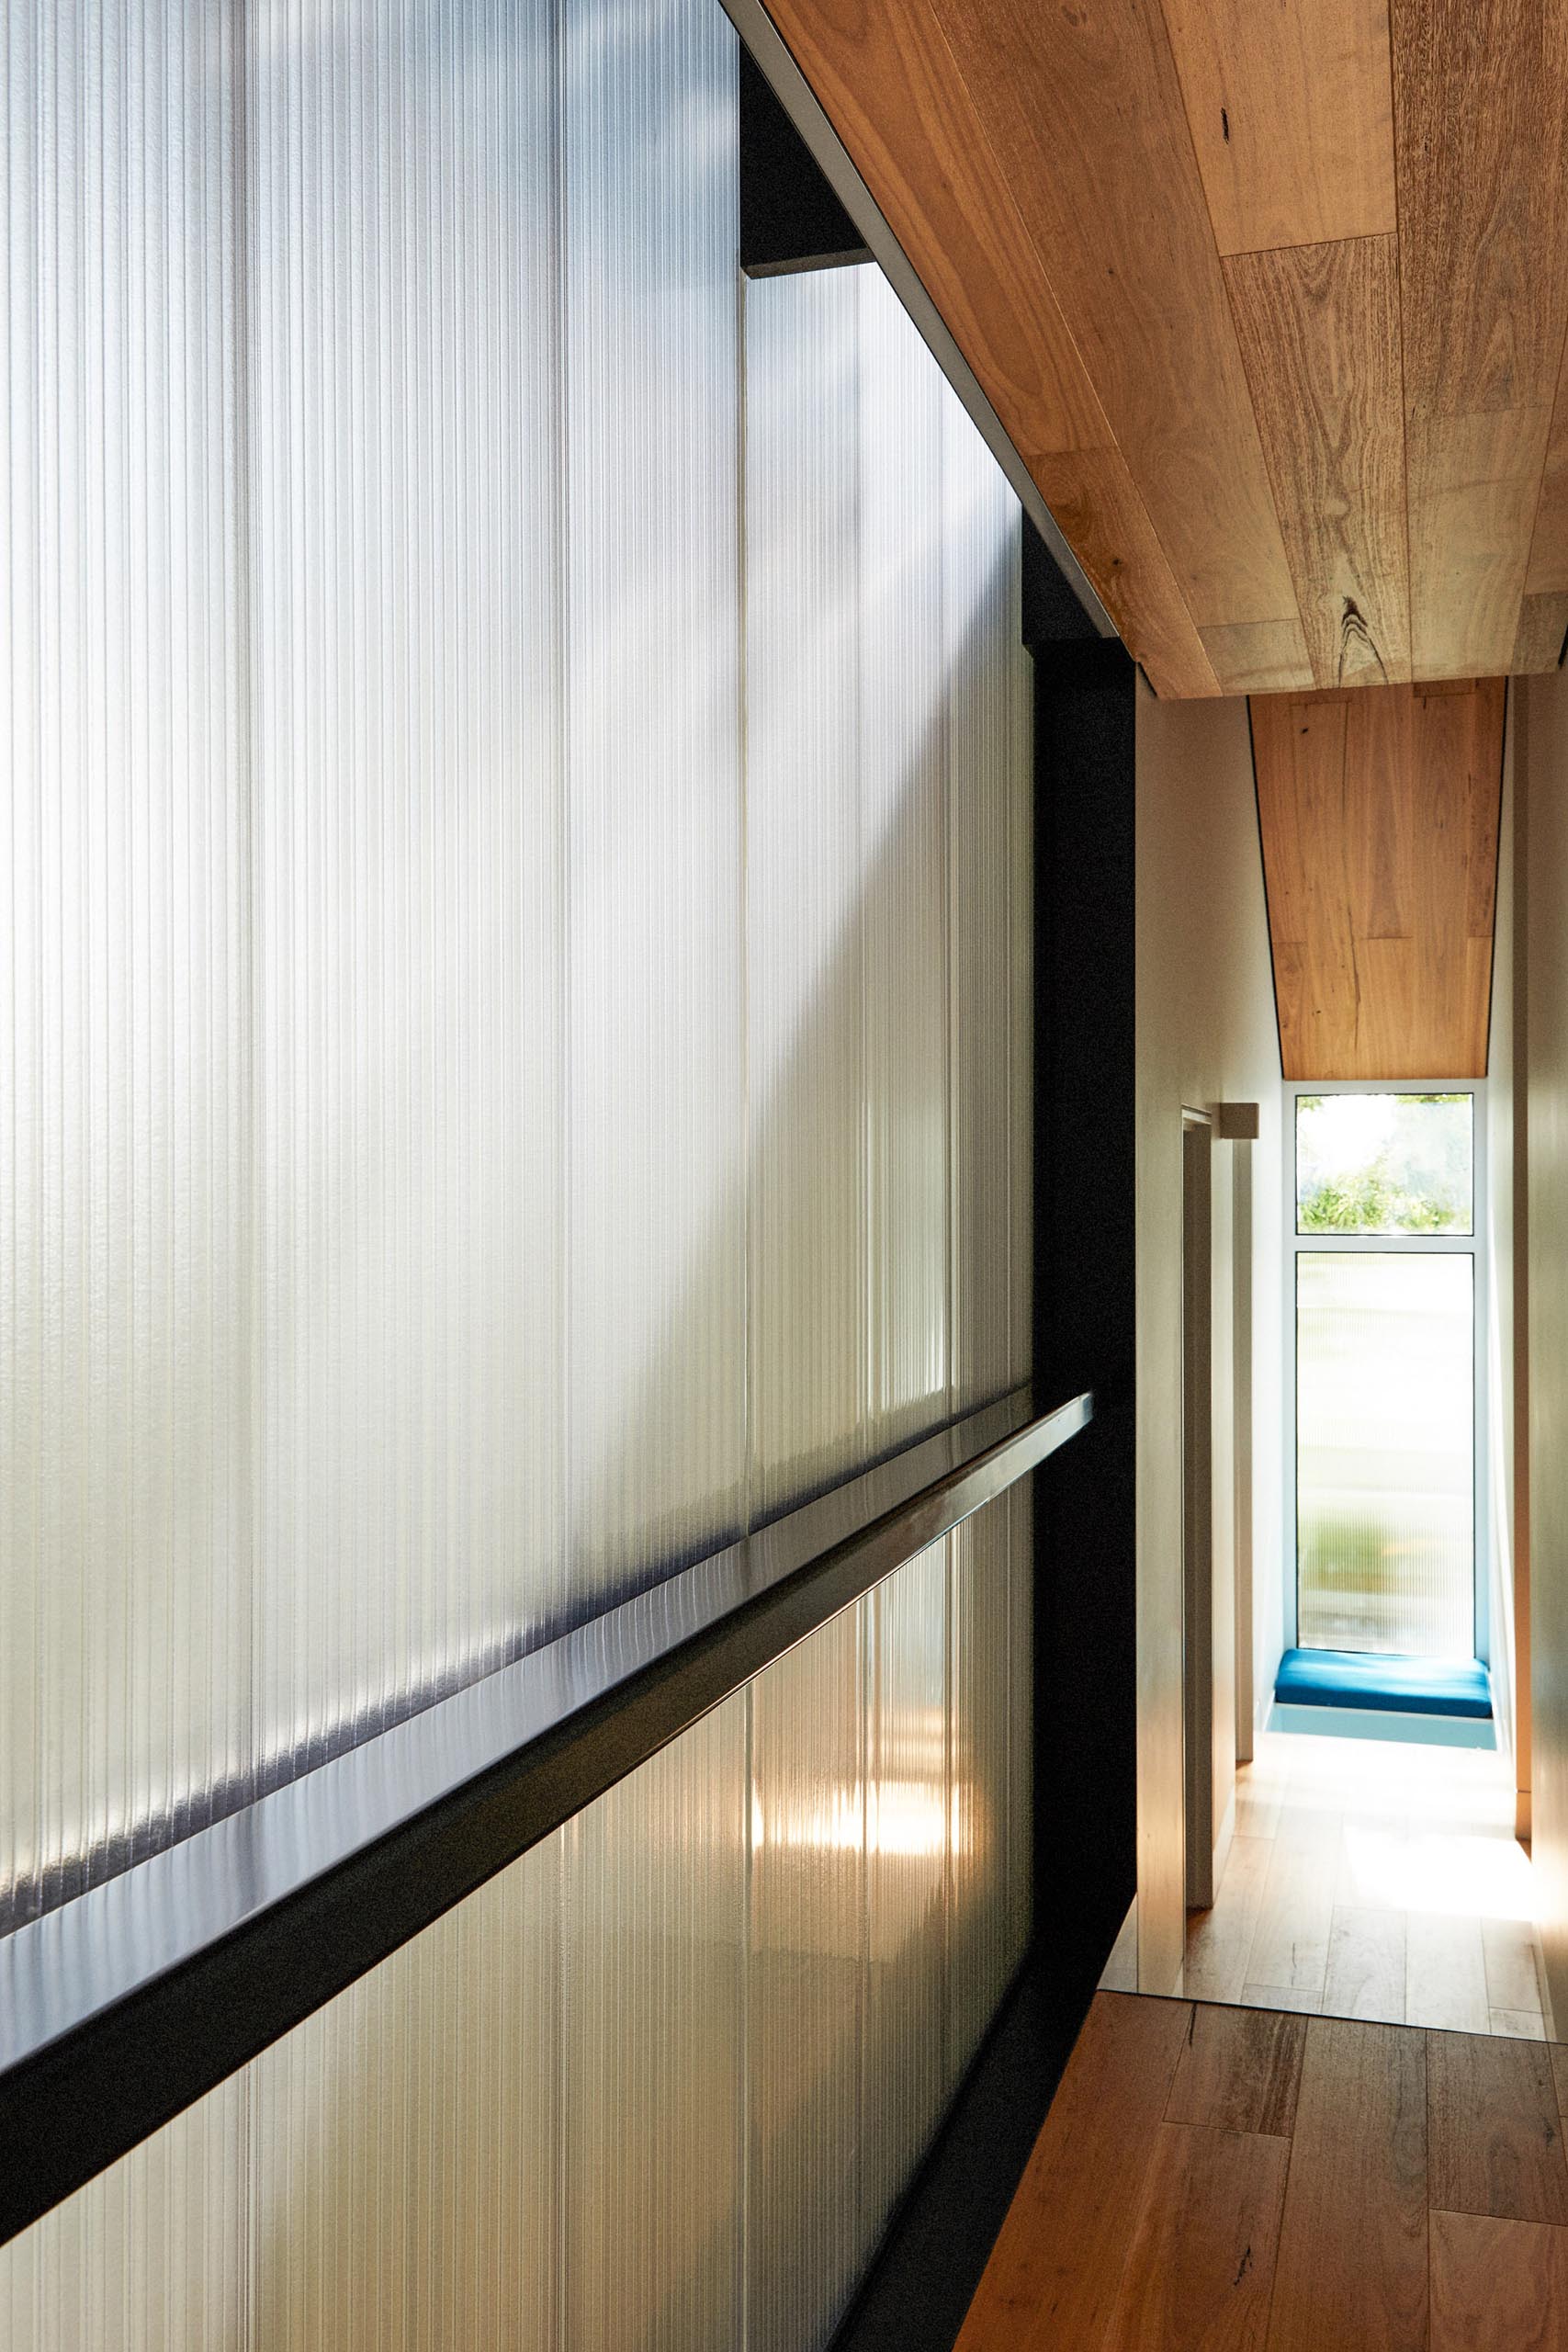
column 1419, row 1685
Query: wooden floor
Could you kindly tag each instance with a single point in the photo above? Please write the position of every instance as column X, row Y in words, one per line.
column 1372, row 1879
column 1268, row 2182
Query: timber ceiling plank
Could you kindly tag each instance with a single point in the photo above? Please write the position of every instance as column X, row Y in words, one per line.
column 1543, row 624
column 1081, row 100
column 1481, row 143
column 1291, row 116
column 1379, row 815
column 1259, row 657
column 1548, row 571
column 886, row 78
column 1319, row 333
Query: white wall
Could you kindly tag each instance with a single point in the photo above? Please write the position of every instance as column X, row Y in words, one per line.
column 1206, row 1034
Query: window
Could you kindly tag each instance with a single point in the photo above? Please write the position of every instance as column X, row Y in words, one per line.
column 1384, row 1272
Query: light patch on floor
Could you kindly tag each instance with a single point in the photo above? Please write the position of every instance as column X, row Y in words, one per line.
column 1373, row 1880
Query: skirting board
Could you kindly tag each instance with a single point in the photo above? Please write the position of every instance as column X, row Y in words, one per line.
column 1384, row 1723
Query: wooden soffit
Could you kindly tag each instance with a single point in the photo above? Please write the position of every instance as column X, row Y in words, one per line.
column 1379, row 813
column 1269, row 295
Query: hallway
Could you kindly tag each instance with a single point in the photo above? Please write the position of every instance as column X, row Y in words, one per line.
column 1374, row 1879
column 1277, row 2183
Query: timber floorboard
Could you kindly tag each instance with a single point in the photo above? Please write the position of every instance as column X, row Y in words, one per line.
column 1221, row 2179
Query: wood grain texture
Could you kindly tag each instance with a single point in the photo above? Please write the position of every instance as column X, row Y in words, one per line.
column 1292, row 116
column 1352, row 2263
column 889, row 84
column 1494, row 2144
column 1484, row 306
column 1339, row 453
column 1240, row 2071
column 1543, row 624
column 1379, row 813
column 1201, row 2267
column 1259, row 657
column 1472, row 484
column 1081, row 101
column 1498, row 2286
column 1319, row 333
column 1055, row 2271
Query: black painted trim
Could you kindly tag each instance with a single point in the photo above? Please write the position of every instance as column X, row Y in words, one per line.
column 791, row 218
column 125, row 2006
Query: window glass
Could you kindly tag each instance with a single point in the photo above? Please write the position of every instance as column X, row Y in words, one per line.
column 1384, row 1163
column 1384, row 1452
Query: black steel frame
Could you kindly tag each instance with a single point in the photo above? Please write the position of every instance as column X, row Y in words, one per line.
column 123, row 2006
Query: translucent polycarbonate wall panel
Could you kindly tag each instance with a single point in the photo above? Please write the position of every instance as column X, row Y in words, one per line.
column 981, row 621
column 980, row 1943
column 124, row 1122
column 807, row 1986
column 656, row 1085
column 804, row 886
column 405, row 2142
column 150, row 2257
column 904, row 834
column 1385, row 1451
column 904, row 2073
column 409, row 948
column 654, row 1995
column 1021, row 1029
column 1021, row 1719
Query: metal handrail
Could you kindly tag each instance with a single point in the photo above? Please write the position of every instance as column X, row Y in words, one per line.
column 124, row 2006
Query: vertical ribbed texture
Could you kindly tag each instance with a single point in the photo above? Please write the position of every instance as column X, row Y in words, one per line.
column 404, row 2172
column 654, row 1997
column 150, row 2257
column 980, row 656
column 404, row 451
column 907, row 1803
column 904, row 824
column 1023, row 949
column 124, row 1582
column 462, row 1152
column 806, row 2003
column 1021, row 1720
column 979, row 1937
column 806, row 887
column 656, row 1168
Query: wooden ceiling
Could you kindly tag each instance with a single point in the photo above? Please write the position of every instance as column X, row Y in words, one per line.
column 1379, row 813
column 1270, row 296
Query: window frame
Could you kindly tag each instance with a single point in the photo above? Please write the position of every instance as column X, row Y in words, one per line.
column 1404, row 1245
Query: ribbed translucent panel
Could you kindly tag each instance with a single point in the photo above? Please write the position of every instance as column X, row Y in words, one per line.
column 526, row 2127
column 889, row 847
column 410, row 937
column 153, row 2256
column 124, row 1079
column 908, row 1812
column 404, row 2166
column 981, row 1942
column 807, row 1998
column 1021, row 1720
column 1022, row 937
column 656, row 1144
column 489, row 1107
column 904, row 830
column 654, row 2052
column 806, row 886
column 986, row 877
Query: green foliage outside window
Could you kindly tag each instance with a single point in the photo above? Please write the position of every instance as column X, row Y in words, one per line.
column 1414, row 1179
